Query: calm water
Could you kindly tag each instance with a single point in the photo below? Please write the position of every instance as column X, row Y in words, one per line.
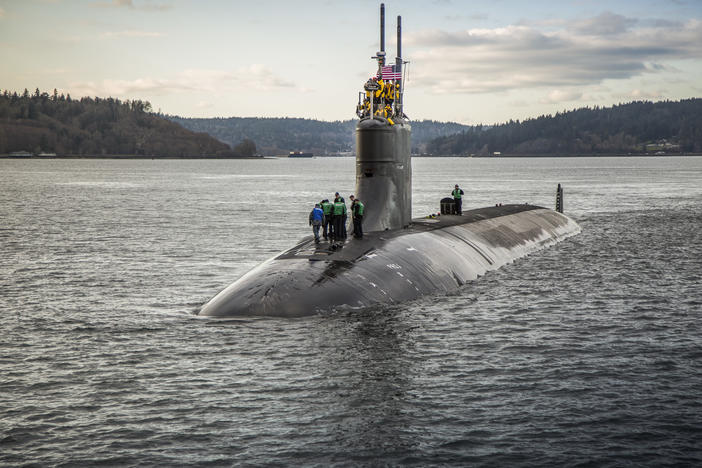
column 585, row 354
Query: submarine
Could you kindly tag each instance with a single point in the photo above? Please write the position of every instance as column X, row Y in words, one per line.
column 398, row 258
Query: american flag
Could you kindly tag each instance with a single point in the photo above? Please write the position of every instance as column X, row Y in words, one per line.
column 389, row 73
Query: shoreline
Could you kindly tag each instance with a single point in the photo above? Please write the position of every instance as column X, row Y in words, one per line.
column 124, row 156
column 502, row 156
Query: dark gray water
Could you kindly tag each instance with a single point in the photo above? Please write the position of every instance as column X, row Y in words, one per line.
column 585, row 354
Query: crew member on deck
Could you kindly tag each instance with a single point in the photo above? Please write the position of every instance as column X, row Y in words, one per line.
column 328, row 226
column 379, row 94
column 389, row 93
column 316, row 221
column 339, row 218
column 344, row 216
column 457, row 199
column 357, row 209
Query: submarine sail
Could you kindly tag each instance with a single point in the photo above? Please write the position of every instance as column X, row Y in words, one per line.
column 399, row 258
column 383, row 164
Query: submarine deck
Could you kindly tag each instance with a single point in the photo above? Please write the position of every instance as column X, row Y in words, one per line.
column 353, row 249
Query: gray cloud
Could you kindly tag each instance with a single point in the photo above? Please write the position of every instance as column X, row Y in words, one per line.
column 511, row 36
column 605, row 24
column 513, row 57
column 251, row 78
column 661, row 23
column 559, row 95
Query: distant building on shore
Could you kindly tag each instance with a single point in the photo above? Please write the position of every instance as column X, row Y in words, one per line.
column 299, row 154
column 21, row 154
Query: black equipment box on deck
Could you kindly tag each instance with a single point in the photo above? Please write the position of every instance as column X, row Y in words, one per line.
column 447, row 206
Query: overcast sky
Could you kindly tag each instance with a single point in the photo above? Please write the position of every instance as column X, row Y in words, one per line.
column 470, row 61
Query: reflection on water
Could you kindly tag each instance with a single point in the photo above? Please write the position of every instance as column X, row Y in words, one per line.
column 368, row 357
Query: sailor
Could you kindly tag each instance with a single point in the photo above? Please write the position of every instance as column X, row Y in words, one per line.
column 387, row 113
column 381, row 88
column 457, row 199
column 339, row 218
column 344, row 218
column 353, row 217
column 390, row 93
column 379, row 93
column 316, row 221
column 328, row 226
column 357, row 209
column 342, row 233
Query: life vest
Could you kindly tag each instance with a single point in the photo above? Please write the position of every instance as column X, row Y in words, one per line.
column 327, row 208
column 339, row 208
column 390, row 92
column 381, row 89
column 456, row 193
column 359, row 208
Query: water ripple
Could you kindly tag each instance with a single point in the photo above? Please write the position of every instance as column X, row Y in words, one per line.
column 587, row 353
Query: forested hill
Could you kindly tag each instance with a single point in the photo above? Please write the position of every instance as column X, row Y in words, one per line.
column 282, row 135
column 41, row 122
column 670, row 127
column 53, row 123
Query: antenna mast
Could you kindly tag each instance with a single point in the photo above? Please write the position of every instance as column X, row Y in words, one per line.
column 398, row 67
column 381, row 55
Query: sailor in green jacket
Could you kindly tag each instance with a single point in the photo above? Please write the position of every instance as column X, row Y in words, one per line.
column 339, row 217
column 357, row 209
column 328, row 228
column 457, row 199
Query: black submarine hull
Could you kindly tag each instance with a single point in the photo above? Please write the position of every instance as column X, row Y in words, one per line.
column 431, row 256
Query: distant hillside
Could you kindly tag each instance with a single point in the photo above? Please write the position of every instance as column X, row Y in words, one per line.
column 58, row 124
column 636, row 128
column 282, row 135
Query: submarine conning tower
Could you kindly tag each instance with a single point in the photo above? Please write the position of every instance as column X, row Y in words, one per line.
column 383, row 162
column 391, row 265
